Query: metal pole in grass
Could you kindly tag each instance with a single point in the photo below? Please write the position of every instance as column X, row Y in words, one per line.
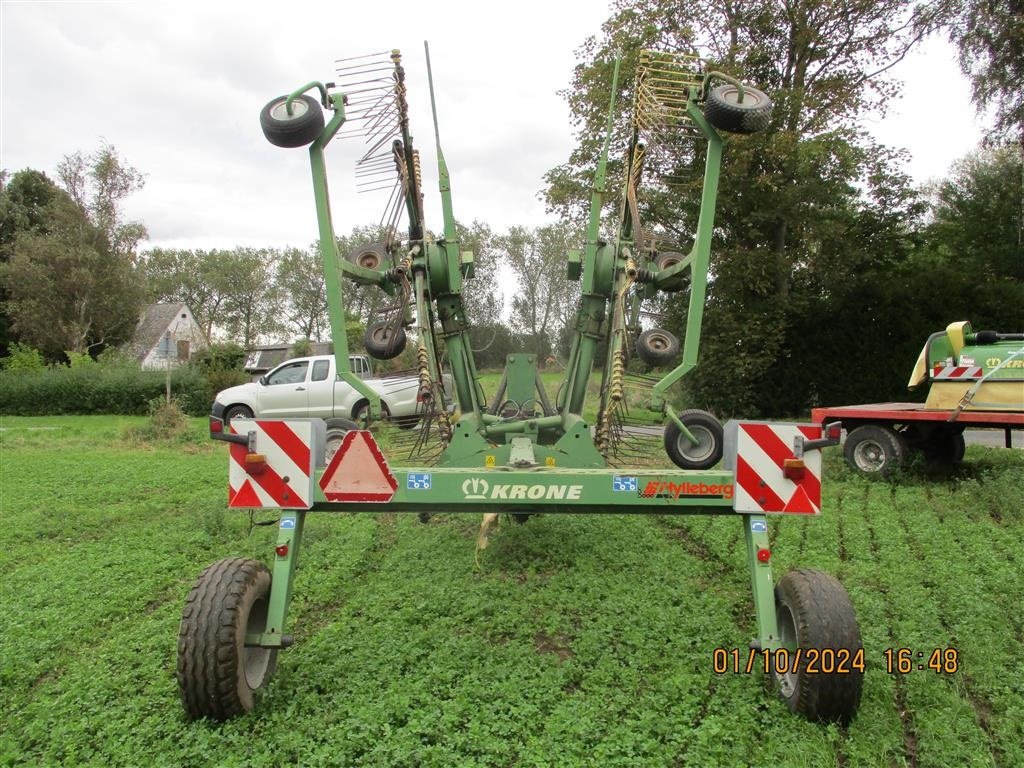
column 167, row 366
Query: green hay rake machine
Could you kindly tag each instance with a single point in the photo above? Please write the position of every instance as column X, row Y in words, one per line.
column 524, row 451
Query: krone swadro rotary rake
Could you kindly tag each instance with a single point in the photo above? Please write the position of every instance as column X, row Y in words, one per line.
column 525, row 450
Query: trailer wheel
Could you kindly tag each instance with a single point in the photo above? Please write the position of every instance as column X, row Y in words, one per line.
column 945, row 447
column 874, row 449
column 710, row 438
column 657, row 347
column 299, row 128
column 724, row 110
column 336, row 431
column 382, row 341
column 816, row 617
column 217, row 674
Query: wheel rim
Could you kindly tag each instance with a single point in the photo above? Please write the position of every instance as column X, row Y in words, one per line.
column 658, row 342
column 280, row 111
column 731, row 95
column 787, row 634
column 331, row 446
column 704, row 448
column 256, row 661
column 368, row 259
column 869, row 456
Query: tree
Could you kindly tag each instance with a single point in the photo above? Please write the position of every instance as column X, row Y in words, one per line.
column 544, row 297
column 300, row 278
column 252, row 302
column 174, row 275
column 98, row 183
column 66, row 292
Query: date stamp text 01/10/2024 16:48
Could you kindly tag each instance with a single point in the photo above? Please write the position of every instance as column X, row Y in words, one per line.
column 828, row 661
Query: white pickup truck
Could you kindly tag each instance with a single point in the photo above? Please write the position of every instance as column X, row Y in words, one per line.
column 308, row 387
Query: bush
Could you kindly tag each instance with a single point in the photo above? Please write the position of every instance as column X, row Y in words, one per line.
column 167, row 422
column 22, row 358
column 97, row 389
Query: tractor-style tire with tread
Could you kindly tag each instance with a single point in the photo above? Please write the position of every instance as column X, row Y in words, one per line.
column 945, row 448
column 875, row 449
column 710, row 440
column 657, row 347
column 813, row 610
column 217, row 674
column 298, row 129
column 383, row 341
column 336, row 431
column 724, row 110
column 667, row 259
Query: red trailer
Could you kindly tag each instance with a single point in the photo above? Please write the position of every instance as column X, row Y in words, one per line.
column 880, row 436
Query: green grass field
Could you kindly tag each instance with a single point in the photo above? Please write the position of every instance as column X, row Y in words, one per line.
column 582, row 641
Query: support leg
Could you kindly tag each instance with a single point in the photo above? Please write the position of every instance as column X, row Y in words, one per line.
column 286, row 557
column 755, row 528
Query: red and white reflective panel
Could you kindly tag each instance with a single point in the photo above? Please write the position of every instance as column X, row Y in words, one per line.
column 285, row 479
column 358, row 471
column 956, row 372
column 761, row 452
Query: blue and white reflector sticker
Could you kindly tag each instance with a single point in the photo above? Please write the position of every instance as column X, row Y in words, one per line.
column 287, row 522
column 758, row 526
column 418, row 481
column 620, row 483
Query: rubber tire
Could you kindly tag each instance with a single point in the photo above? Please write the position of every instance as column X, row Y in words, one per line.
column 217, row 675
column 945, row 448
column 302, row 128
column 820, row 615
column 873, row 449
column 657, row 347
column 336, row 431
column 359, row 414
column 370, row 256
column 668, row 259
column 705, row 454
column 237, row 411
column 383, row 342
column 724, row 112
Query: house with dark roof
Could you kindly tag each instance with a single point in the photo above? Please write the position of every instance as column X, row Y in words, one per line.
column 167, row 334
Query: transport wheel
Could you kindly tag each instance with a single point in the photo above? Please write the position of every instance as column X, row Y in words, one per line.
column 217, row 674
column 370, row 256
column 874, row 449
column 668, row 259
column 336, row 431
column 299, row 128
column 945, row 447
column 724, row 110
column 710, row 438
column 657, row 347
column 237, row 412
column 382, row 341
column 815, row 615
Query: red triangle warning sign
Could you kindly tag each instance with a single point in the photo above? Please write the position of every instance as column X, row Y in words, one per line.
column 358, row 471
column 246, row 496
column 800, row 503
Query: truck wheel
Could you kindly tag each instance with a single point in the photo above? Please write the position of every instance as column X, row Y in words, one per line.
column 710, row 439
column 217, row 674
column 945, row 447
column 336, row 431
column 724, row 110
column 361, row 414
column 816, row 617
column 237, row 412
column 382, row 341
column 873, row 449
column 299, row 128
column 657, row 347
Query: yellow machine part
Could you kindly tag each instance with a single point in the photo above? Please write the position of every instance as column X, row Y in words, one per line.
column 955, row 332
column 991, row 396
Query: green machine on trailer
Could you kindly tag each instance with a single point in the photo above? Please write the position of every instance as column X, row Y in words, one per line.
column 523, row 451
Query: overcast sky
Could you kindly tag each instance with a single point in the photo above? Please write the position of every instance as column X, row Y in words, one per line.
column 177, row 88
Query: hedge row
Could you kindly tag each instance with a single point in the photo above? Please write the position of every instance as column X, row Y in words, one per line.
column 97, row 389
